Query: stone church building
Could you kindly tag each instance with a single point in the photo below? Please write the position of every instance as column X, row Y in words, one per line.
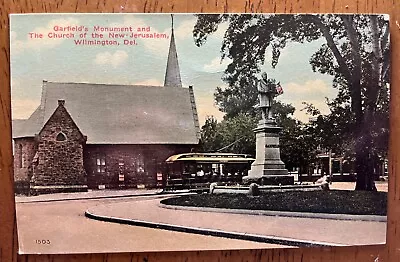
column 86, row 135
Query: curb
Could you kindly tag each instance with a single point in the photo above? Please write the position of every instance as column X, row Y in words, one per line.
column 369, row 218
column 101, row 197
column 213, row 232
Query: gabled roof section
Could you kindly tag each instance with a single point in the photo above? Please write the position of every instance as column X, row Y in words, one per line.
column 61, row 110
column 28, row 127
column 18, row 127
column 121, row 114
column 172, row 72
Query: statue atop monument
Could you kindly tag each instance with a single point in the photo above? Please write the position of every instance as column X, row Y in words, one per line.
column 267, row 91
column 268, row 167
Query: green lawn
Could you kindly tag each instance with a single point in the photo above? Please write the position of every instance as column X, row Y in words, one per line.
column 333, row 202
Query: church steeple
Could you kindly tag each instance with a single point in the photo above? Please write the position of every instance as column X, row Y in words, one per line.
column 172, row 73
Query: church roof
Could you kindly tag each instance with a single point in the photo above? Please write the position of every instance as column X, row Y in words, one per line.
column 119, row 114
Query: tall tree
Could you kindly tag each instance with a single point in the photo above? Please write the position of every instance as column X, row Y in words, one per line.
column 211, row 137
column 233, row 134
column 356, row 53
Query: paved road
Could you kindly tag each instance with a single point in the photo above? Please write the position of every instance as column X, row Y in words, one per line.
column 340, row 232
column 63, row 224
column 69, row 231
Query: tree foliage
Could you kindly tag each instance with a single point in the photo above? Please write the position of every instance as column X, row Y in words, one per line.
column 235, row 134
column 355, row 53
column 231, row 135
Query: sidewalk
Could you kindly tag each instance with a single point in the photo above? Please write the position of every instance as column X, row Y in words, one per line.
column 91, row 194
column 381, row 186
column 262, row 228
column 98, row 194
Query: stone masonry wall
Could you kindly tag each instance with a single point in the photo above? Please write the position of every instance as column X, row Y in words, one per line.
column 24, row 151
column 59, row 163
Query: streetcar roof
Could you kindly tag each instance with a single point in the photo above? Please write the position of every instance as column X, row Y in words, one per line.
column 212, row 158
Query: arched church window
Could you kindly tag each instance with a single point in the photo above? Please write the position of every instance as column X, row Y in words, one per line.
column 61, row 137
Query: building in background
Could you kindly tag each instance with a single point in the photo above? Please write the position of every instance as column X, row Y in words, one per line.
column 86, row 135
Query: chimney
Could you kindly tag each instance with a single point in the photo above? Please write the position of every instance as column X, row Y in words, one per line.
column 44, row 91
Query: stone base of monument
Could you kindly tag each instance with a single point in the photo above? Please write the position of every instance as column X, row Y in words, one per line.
column 268, row 168
column 268, row 173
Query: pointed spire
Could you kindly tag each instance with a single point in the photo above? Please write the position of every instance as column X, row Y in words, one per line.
column 172, row 73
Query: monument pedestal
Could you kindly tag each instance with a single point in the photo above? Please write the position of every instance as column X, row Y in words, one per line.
column 268, row 168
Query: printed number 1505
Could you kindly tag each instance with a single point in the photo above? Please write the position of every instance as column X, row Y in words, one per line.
column 42, row 241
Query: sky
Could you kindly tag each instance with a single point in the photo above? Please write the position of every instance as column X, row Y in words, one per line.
column 61, row 60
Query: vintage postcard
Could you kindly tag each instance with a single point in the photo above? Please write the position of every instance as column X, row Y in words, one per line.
column 173, row 132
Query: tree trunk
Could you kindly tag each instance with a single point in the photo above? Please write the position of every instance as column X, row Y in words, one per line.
column 364, row 166
column 364, row 159
column 364, row 169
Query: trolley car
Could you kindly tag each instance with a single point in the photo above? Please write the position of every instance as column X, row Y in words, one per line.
column 194, row 170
